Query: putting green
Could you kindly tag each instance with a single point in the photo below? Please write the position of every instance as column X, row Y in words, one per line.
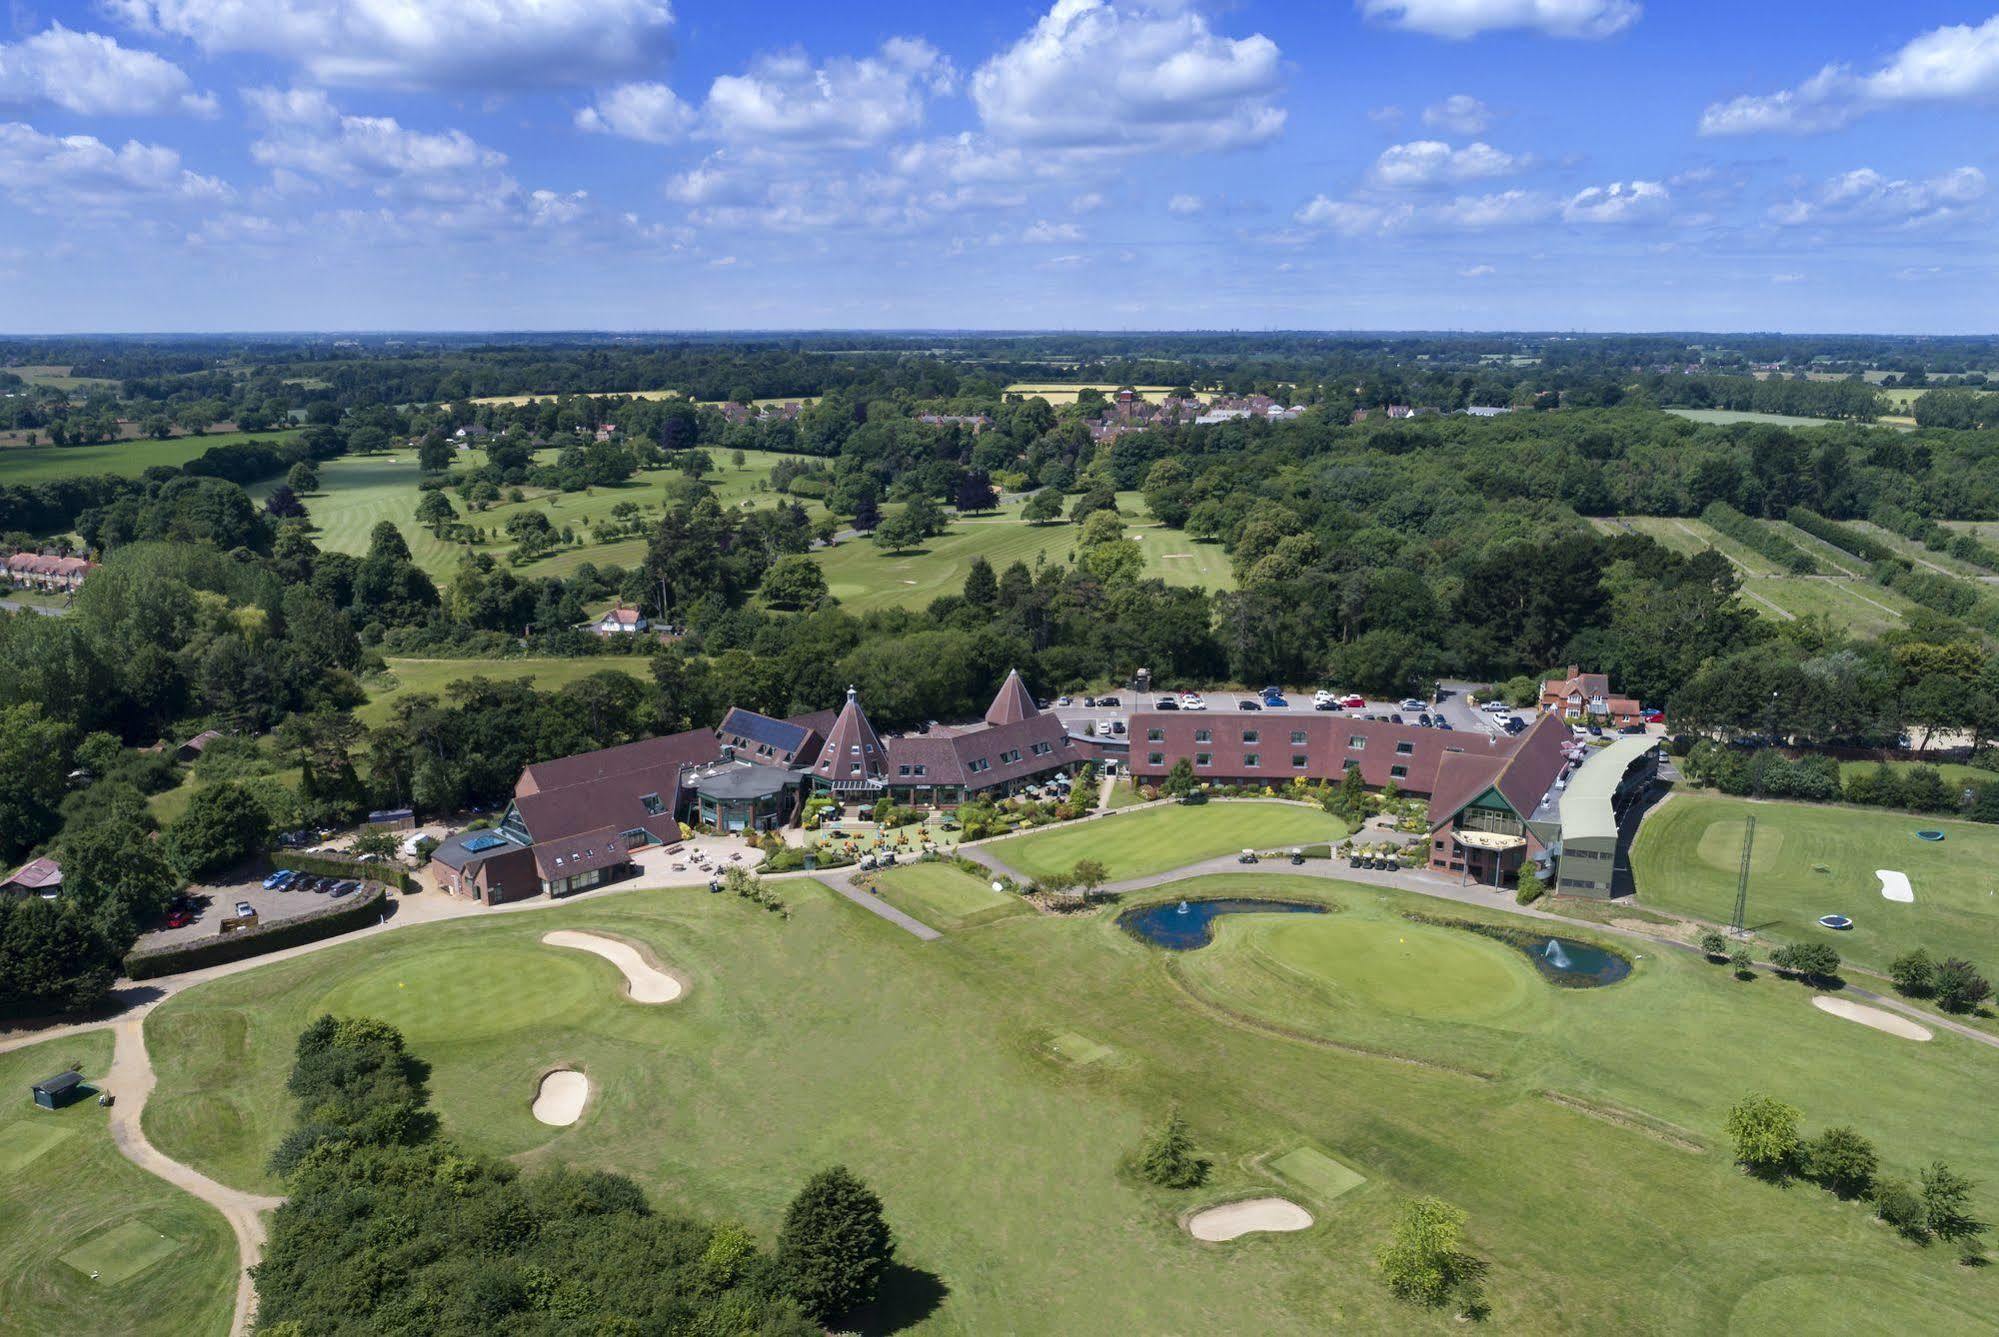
column 1397, row 966
column 22, row 1144
column 1315, row 1170
column 464, row 992
column 1079, row 1050
column 1721, row 846
column 1852, row 1305
column 121, row 1253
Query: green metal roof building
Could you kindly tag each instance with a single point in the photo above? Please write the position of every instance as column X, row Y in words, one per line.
column 1598, row 794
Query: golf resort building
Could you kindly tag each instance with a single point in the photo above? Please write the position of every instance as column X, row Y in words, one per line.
column 1594, row 854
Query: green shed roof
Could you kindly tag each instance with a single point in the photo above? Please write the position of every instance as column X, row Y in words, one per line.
column 1586, row 811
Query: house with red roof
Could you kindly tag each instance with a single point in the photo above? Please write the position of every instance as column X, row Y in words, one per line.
column 37, row 877
column 1587, row 697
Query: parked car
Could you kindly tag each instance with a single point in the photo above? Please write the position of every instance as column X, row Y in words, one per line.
column 1654, row 716
column 1515, row 724
column 179, row 917
column 274, row 881
column 1395, row 717
column 1117, row 726
column 343, row 889
column 1247, row 704
column 1411, row 703
column 1424, row 719
column 1166, row 703
column 1089, row 703
column 1494, row 708
column 245, row 910
column 1109, row 701
column 1328, row 704
column 1275, row 702
column 1297, row 856
column 1595, row 731
column 1443, row 723
column 1354, row 701
column 1192, row 702
column 1063, row 701
column 1632, row 728
column 1247, row 856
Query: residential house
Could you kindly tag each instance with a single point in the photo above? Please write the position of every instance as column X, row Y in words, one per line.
column 1587, row 697
column 620, row 621
column 37, row 877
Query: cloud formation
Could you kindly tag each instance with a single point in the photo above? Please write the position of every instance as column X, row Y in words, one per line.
column 1459, row 114
column 305, row 133
column 1866, row 197
column 90, row 74
column 1956, row 63
column 1460, row 19
column 649, row 112
column 844, row 103
column 83, row 174
column 1431, row 162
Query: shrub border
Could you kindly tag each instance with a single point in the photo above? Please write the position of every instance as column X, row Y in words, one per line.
column 325, row 922
column 369, row 870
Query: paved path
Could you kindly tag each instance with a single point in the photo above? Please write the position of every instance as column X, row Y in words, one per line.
column 845, row 881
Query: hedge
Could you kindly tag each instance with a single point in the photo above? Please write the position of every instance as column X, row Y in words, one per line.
column 1862, row 545
column 1723, row 517
column 337, row 917
column 361, row 870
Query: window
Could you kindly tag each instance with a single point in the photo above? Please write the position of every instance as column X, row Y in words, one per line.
column 1297, row 738
column 1042, row 749
column 1155, row 758
column 1349, row 765
column 1398, row 772
column 902, row 770
column 1251, row 735
column 1404, row 749
column 1252, row 759
column 1355, row 742
column 1155, row 735
column 854, row 769
column 1204, row 736
column 978, row 764
column 1010, row 756
column 652, row 804
column 1204, row 758
column 1297, row 761
column 921, row 769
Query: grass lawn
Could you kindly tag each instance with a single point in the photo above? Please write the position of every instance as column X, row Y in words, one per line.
column 1157, row 840
column 944, row 896
column 1689, row 849
column 70, row 1205
column 171, row 803
column 411, row 676
column 963, row 1079
column 1955, row 774
column 40, row 463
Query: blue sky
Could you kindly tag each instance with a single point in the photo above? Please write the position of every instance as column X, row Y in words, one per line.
column 1104, row 164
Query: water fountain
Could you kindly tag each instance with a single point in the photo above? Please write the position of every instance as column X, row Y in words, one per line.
column 1555, row 956
column 1183, row 908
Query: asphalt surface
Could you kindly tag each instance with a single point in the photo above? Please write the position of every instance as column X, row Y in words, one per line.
column 213, row 904
column 1453, row 705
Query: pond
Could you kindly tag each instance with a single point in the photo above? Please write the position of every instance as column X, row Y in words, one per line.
column 1577, row 964
column 1182, row 926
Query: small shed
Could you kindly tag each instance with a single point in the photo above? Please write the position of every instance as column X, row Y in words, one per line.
column 57, row 1091
column 392, row 819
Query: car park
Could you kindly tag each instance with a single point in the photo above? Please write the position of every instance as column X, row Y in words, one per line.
column 1411, row 703
column 1189, row 701
column 1424, row 719
column 1276, row 702
column 1166, row 703
column 1109, row 702
column 274, row 881
column 1248, row 704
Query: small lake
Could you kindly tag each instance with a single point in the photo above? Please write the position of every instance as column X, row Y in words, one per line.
column 1572, row 963
column 1182, row 926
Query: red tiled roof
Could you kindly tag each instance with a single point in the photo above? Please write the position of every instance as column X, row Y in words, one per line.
column 690, row 748
column 853, row 753
column 1327, row 747
column 1013, row 703
column 580, row 853
column 1521, row 778
column 36, row 875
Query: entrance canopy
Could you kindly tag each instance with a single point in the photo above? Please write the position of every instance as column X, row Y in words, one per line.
column 1489, row 840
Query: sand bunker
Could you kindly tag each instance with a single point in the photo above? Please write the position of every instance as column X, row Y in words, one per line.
column 1246, row 1218
column 1895, row 886
column 1879, row 1018
column 561, row 1097
column 644, row 982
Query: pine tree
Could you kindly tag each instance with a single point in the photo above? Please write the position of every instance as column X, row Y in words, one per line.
column 1167, row 1158
column 835, row 1244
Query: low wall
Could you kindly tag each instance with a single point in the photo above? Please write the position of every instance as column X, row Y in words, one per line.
column 341, row 916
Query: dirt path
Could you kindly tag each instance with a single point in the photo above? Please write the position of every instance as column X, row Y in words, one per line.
column 131, row 1080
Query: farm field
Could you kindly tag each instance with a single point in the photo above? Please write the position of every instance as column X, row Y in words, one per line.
column 1059, row 393
column 70, row 1205
column 864, row 578
column 411, row 676
column 594, row 394
column 1810, row 860
column 938, row 1070
column 1860, row 606
column 1158, row 839
column 58, row 376
column 128, row 459
column 1726, row 416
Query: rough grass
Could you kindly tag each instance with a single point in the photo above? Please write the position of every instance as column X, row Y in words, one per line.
column 1156, row 840
column 129, row 459
column 407, row 677
column 1689, row 850
column 925, row 1067
column 76, row 1205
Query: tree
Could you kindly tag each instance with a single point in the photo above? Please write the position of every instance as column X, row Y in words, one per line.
column 1167, row 1157
column 867, row 512
column 1914, row 973
column 835, row 1244
column 1947, row 1207
column 303, row 477
column 1426, row 1262
column 1088, row 875
column 794, row 581
column 283, row 503
column 898, row 533
column 1744, row 963
column 433, row 454
column 1813, row 962
column 433, row 508
column 1042, row 507
column 1714, row 946
column 223, row 825
column 33, row 763
column 1897, row 1204
column 976, row 492
column 1959, row 986
column 981, row 585
column 1180, row 780
column 1765, row 1132
column 1841, row 1160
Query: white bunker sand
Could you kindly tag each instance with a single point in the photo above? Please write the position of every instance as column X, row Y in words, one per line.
column 1231, row 1219
column 1879, row 1018
column 1895, row 886
column 561, row 1097
column 645, row 983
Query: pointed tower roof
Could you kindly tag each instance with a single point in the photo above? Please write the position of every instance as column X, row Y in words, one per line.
column 852, row 757
column 1013, row 704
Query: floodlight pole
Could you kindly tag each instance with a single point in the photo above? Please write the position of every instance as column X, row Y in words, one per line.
column 1742, row 878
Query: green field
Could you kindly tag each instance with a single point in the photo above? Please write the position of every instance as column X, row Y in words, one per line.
column 990, row 1086
column 944, row 896
column 1059, row 393
column 863, row 578
column 38, row 464
column 1689, row 851
column 411, row 676
column 1726, row 416
column 1955, row 775
column 1158, row 840
column 71, row 1205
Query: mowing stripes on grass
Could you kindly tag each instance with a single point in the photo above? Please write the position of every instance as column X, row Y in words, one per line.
column 1314, row 1170
column 121, row 1253
column 22, row 1144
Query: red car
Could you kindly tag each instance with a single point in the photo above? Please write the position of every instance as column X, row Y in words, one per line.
column 179, row 918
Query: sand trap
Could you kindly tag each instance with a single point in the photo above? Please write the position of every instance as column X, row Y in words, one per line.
column 561, row 1097
column 1895, row 886
column 644, row 982
column 1879, row 1018
column 1246, row 1218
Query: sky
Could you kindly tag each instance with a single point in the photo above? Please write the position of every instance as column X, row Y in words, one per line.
column 289, row 165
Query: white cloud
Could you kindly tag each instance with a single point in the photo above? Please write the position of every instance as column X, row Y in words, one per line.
column 547, row 208
column 1045, row 233
column 1506, row 208
column 649, row 112
column 1458, row 114
column 1618, row 202
column 1468, row 18
column 82, row 173
column 1088, row 202
column 1477, row 272
column 1430, row 162
column 1353, row 217
column 844, row 103
column 1106, row 77
column 1956, row 63
column 499, row 45
column 1388, row 118
column 91, row 75
column 1866, row 197
column 967, row 157
column 305, row 133
column 1185, row 204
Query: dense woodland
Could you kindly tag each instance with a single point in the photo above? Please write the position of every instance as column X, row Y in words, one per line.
column 1380, row 554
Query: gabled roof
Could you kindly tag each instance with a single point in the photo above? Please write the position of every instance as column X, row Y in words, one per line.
column 36, row 875
column 783, row 737
column 679, row 749
column 601, row 848
column 1522, row 777
column 1013, row 704
column 853, row 754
